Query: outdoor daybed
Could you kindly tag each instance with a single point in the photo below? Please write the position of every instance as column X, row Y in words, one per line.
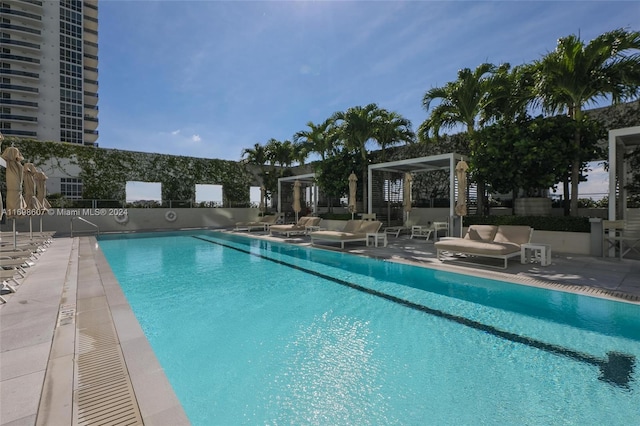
column 500, row 242
column 304, row 224
column 354, row 230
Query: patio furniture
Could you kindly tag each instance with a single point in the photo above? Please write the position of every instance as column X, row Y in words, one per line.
column 406, row 227
column 376, row 238
column 264, row 224
column 500, row 242
column 354, row 230
column 532, row 252
column 300, row 228
column 434, row 229
column 619, row 237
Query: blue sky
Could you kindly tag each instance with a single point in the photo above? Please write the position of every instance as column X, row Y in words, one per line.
column 210, row 78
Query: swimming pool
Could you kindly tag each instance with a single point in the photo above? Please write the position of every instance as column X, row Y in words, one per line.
column 256, row 332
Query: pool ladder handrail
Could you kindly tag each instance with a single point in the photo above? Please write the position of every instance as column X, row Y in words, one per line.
column 86, row 221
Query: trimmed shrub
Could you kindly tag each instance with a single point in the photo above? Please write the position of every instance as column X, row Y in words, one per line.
column 541, row 223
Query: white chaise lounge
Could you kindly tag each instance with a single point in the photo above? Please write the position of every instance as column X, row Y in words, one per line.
column 354, row 230
column 499, row 242
column 301, row 228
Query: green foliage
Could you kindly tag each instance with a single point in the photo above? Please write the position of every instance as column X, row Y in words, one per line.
column 532, row 154
column 104, row 172
column 541, row 223
column 332, row 174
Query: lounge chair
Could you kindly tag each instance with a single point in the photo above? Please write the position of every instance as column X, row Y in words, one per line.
column 19, row 252
column 405, row 228
column 435, row 229
column 8, row 276
column 264, row 224
column 500, row 242
column 354, row 230
column 16, row 263
column 302, row 227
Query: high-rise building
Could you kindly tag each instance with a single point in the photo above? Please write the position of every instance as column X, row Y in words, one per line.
column 49, row 70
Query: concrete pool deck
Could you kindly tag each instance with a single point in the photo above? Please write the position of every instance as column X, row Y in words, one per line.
column 72, row 352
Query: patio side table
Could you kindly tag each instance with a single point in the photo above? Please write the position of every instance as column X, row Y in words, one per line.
column 530, row 252
column 376, row 238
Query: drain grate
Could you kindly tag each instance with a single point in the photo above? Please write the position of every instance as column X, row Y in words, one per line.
column 66, row 314
column 103, row 392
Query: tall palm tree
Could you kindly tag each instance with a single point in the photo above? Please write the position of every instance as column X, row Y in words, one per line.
column 392, row 129
column 466, row 101
column 256, row 155
column 356, row 126
column 320, row 138
column 576, row 74
column 279, row 154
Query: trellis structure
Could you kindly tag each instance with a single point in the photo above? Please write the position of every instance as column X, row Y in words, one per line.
column 420, row 165
column 621, row 142
column 306, row 181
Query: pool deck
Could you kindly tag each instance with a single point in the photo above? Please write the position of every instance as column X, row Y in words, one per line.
column 72, row 352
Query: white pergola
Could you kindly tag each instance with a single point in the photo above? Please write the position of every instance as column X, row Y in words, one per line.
column 420, row 165
column 308, row 180
column 621, row 141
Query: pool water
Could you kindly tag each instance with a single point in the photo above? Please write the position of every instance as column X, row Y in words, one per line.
column 256, row 332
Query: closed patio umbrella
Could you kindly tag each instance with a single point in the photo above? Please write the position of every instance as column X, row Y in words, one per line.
column 262, row 195
column 296, row 198
column 406, row 194
column 15, row 201
column 353, row 185
column 461, row 204
column 29, row 185
column 41, row 193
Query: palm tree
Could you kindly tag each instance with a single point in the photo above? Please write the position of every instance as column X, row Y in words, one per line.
column 392, row 129
column 512, row 92
column 279, row 154
column 320, row 138
column 466, row 101
column 256, row 156
column 356, row 126
column 575, row 74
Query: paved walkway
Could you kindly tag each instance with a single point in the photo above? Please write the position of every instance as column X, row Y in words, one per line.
column 603, row 277
column 71, row 350
column 68, row 332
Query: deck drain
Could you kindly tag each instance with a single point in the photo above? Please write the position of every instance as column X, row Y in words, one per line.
column 66, row 314
column 103, row 392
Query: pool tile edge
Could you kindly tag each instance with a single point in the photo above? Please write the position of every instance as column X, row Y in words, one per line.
column 156, row 399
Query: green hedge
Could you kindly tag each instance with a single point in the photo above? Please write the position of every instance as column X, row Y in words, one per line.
column 541, row 223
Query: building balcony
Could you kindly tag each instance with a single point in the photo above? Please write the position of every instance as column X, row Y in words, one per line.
column 90, row 49
column 15, row 102
column 90, row 36
column 23, row 133
column 90, row 23
column 22, row 31
column 90, row 85
column 19, row 75
column 21, row 60
column 34, row 6
column 90, row 125
column 27, row 17
column 15, row 88
column 15, row 118
column 19, row 46
column 90, row 61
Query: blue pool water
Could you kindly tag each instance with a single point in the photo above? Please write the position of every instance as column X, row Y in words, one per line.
column 255, row 332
